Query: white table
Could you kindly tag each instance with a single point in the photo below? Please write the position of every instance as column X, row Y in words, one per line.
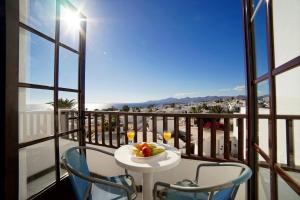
column 124, row 159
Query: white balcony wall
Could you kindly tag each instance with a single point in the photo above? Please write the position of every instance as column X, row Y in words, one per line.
column 35, row 125
column 39, row 157
column 39, row 124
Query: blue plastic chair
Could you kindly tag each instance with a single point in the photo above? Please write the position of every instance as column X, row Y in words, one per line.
column 92, row 188
column 189, row 190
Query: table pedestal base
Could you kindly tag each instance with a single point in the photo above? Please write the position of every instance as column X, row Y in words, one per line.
column 147, row 186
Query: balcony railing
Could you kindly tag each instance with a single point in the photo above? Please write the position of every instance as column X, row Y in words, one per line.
column 208, row 137
column 211, row 137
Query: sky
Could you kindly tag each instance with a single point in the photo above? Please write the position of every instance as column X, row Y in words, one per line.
column 140, row 50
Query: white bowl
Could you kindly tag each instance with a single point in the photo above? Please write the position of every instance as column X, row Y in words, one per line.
column 150, row 158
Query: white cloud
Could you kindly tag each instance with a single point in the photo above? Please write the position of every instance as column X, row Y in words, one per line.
column 236, row 88
column 239, row 88
column 225, row 90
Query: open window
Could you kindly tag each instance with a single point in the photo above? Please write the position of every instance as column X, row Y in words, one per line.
column 273, row 58
column 51, row 90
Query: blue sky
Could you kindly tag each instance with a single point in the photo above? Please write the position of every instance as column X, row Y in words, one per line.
column 139, row 50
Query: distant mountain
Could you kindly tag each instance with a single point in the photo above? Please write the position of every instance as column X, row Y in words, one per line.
column 186, row 100
column 161, row 102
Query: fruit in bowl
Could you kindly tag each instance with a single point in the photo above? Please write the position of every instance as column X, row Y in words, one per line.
column 146, row 149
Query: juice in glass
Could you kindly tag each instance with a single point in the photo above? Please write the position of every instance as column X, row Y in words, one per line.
column 130, row 135
column 167, row 135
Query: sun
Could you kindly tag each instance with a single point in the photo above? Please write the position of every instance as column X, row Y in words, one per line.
column 71, row 19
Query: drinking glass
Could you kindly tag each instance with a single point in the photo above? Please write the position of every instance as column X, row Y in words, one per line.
column 130, row 136
column 167, row 135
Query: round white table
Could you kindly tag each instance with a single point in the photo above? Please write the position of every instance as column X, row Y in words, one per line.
column 125, row 159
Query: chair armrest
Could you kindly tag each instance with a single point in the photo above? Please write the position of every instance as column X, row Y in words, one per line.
column 245, row 174
column 95, row 149
column 115, row 185
column 166, row 185
column 209, row 190
column 219, row 164
column 99, row 150
column 204, row 165
column 94, row 179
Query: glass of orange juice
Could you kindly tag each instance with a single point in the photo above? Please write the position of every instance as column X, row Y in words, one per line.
column 130, row 136
column 167, row 135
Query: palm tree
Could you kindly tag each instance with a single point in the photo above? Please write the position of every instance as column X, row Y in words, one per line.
column 64, row 103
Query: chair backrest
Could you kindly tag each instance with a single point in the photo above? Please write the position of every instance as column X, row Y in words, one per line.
column 230, row 192
column 76, row 163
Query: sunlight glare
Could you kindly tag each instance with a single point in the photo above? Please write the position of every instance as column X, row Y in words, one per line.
column 71, row 19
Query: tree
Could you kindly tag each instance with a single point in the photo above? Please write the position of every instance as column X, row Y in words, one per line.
column 204, row 106
column 64, row 103
column 110, row 109
column 197, row 109
column 150, row 106
column 193, row 110
column 125, row 108
column 136, row 109
column 216, row 109
column 113, row 123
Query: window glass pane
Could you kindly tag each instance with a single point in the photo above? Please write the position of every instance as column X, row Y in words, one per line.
column 286, row 20
column 281, row 141
column 285, row 192
column 36, row 116
column 36, row 58
column 263, row 108
column 293, row 144
column 295, row 175
column 288, row 93
column 68, row 69
column 67, row 111
column 36, row 168
column 260, row 33
column 263, row 136
column 296, row 124
column 39, row 14
column 264, row 183
column 263, row 97
column 66, row 142
column 69, row 27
